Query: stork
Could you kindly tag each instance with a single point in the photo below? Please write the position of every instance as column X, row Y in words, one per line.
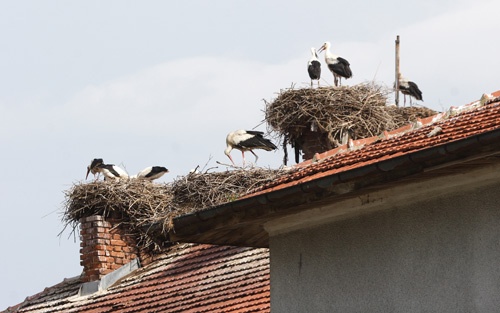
column 247, row 140
column 92, row 168
column 409, row 88
column 112, row 172
column 340, row 67
column 314, row 67
column 151, row 173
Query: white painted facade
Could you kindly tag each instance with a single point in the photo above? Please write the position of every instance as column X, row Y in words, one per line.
column 422, row 246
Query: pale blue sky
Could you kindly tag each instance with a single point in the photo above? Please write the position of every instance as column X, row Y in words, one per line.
column 143, row 83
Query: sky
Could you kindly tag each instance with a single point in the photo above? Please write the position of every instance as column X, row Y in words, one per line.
column 142, row 83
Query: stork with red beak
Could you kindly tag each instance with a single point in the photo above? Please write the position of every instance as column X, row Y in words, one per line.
column 409, row 88
column 340, row 67
column 247, row 140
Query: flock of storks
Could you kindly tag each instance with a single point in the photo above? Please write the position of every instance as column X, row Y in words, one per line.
column 243, row 140
column 341, row 68
column 115, row 173
column 249, row 140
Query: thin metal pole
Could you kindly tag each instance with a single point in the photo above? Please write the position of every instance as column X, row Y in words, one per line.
column 398, row 75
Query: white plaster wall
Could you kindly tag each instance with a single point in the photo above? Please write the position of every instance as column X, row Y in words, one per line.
column 438, row 255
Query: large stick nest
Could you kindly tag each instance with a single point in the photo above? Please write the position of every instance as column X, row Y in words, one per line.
column 198, row 191
column 141, row 204
column 359, row 110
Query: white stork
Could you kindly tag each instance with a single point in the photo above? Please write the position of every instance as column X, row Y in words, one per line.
column 151, row 173
column 247, row 140
column 112, row 172
column 314, row 67
column 340, row 67
column 409, row 88
column 92, row 168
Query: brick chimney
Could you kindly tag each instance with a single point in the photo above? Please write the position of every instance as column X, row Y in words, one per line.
column 105, row 246
column 313, row 142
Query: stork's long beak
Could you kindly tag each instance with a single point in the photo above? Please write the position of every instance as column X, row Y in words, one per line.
column 321, row 49
column 88, row 171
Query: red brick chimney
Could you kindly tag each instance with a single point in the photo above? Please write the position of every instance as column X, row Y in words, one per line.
column 105, row 246
column 314, row 142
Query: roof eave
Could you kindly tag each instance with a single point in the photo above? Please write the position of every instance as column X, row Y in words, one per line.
column 240, row 222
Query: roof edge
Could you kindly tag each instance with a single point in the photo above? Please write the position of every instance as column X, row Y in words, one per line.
column 187, row 227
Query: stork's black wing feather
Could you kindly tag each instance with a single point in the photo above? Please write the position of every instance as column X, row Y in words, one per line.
column 342, row 68
column 314, row 70
column 95, row 163
column 415, row 91
column 254, row 132
column 257, row 142
column 110, row 168
column 156, row 170
column 343, row 61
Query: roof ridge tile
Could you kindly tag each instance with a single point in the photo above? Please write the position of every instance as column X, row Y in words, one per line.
column 454, row 124
column 452, row 112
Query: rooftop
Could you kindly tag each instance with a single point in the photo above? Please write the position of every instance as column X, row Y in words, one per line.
column 459, row 135
column 189, row 278
column 234, row 275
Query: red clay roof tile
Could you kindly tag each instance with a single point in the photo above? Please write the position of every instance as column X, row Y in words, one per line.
column 196, row 278
column 205, row 278
column 458, row 123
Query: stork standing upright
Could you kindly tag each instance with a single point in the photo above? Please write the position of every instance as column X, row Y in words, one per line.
column 247, row 140
column 409, row 88
column 151, row 173
column 340, row 67
column 314, row 67
column 92, row 168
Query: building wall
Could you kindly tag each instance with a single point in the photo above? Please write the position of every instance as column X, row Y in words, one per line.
column 437, row 255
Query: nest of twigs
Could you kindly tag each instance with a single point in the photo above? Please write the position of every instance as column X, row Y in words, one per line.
column 136, row 203
column 141, row 204
column 198, row 191
column 360, row 111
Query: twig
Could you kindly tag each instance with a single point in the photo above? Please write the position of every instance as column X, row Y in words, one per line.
column 229, row 165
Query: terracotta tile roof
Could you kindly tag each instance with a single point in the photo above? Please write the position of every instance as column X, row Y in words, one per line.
column 462, row 133
column 455, row 124
column 194, row 278
column 206, row 278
